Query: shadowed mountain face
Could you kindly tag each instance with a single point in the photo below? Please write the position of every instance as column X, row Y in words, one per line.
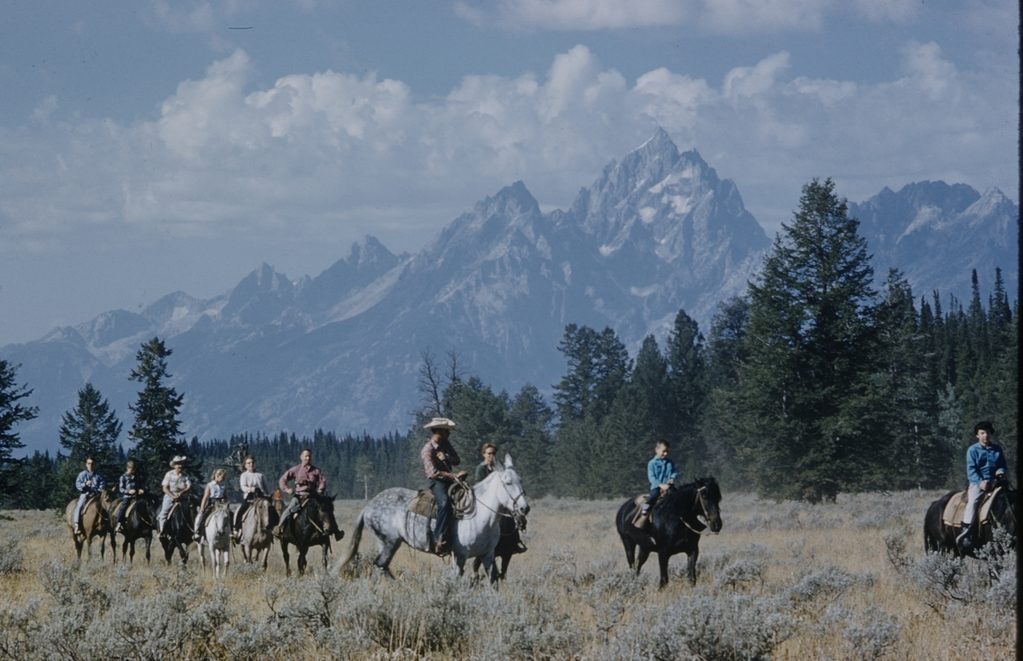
column 656, row 232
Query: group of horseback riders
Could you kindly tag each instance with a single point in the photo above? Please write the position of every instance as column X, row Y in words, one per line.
column 177, row 487
column 303, row 480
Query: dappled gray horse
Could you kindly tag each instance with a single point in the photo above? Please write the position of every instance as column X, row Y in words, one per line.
column 388, row 516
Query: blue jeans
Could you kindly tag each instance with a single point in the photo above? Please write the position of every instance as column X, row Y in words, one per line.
column 439, row 490
column 655, row 493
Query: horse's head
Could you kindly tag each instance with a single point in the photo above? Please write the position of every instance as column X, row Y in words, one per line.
column 323, row 511
column 708, row 497
column 511, row 496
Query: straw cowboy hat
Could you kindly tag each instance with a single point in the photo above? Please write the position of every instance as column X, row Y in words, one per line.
column 440, row 423
column 178, row 459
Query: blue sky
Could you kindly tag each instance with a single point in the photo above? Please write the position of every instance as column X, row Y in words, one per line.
column 151, row 146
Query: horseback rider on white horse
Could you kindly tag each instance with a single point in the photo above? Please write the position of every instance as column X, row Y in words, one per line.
column 439, row 457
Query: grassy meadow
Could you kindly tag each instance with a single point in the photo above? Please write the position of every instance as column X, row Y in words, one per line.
column 847, row 580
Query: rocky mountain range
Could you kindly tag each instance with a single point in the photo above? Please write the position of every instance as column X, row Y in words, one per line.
column 657, row 231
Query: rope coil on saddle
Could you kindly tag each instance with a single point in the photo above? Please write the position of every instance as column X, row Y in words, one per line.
column 463, row 499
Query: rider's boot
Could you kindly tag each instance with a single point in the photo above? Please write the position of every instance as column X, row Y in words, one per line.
column 963, row 540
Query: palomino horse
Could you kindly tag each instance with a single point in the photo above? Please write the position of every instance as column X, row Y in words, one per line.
column 139, row 523
column 94, row 522
column 674, row 526
column 217, row 538
column 312, row 525
column 257, row 524
column 178, row 529
column 388, row 516
column 941, row 537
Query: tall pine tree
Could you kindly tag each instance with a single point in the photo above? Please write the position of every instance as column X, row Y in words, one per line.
column 156, row 431
column 807, row 338
column 12, row 411
column 91, row 429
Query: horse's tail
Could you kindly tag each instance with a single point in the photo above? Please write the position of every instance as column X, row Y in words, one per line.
column 353, row 545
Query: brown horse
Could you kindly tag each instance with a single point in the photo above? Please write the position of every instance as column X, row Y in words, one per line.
column 95, row 522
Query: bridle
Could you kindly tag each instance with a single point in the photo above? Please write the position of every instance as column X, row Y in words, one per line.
column 701, row 493
column 516, row 512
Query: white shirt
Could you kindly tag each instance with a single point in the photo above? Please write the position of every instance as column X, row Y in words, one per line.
column 249, row 482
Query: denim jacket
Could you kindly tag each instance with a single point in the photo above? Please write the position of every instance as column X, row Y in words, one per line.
column 982, row 463
column 660, row 471
column 87, row 482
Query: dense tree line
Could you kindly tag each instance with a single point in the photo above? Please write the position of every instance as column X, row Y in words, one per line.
column 810, row 384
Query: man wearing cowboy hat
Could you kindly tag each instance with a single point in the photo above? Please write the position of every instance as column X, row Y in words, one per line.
column 175, row 484
column 439, row 458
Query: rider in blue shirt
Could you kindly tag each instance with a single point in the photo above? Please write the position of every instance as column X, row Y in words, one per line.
column 129, row 486
column 661, row 473
column 87, row 483
column 985, row 462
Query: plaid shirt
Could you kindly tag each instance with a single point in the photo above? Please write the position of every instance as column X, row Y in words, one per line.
column 307, row 479
column 438, row 461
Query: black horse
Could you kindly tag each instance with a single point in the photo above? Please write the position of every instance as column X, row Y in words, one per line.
column 941, row 538
column 312, row 525
column 178, row 529
column 675, row 525
column 139, row 523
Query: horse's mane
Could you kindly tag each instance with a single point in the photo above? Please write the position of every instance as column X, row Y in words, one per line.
column 690, row 488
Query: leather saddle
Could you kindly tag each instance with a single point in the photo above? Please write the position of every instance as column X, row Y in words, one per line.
column 424, row 504
column 953, row 514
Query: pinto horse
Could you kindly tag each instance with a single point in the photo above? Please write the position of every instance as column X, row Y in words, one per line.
column 94, row 522
column 497, row 497
column 312, row 525
column 178, row 529
column 675, row 525
column 256, row 525
column 940, row 537
column 139, row 523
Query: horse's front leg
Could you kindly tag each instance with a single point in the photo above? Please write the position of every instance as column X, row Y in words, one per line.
column 490, row 567
column 287, row 558
column 326, row 548
column 641, row 558
column 662, row 561
column 691, row 570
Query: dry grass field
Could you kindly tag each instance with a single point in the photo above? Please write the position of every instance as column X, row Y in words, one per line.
column 847, row 580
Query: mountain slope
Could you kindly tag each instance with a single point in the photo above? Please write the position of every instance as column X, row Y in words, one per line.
column 656, row 232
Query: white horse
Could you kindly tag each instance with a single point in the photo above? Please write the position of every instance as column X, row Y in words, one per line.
column 476, row 535
column 217, row 539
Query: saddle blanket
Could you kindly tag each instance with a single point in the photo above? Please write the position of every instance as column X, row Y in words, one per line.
column 953, row 514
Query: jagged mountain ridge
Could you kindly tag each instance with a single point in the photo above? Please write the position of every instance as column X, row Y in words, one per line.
column 657, row 231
